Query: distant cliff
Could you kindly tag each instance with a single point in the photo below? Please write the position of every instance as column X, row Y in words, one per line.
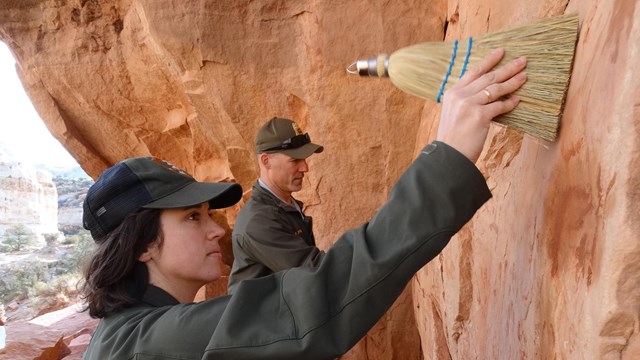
column 71, row 194
column 28, row 197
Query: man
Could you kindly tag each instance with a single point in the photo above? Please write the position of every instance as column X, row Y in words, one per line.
column 272, row 233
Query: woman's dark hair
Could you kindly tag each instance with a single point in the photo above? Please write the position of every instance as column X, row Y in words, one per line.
column 114, row 273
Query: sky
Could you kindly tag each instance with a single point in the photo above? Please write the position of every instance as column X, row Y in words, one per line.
column 22, row 131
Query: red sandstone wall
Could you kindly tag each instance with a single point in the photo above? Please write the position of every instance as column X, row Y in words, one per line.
column 547, row 269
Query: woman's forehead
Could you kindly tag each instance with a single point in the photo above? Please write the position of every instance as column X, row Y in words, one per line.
column 204, row 206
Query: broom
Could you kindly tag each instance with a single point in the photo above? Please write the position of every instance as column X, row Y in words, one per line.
column 427, row 70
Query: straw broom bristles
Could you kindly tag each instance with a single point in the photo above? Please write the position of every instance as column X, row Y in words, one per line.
column 548, row 46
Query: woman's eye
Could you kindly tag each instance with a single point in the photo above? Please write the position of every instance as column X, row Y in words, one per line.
column 193, row 216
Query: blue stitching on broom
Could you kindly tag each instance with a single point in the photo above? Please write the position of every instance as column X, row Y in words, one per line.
column 466, row 58
column 446, row 77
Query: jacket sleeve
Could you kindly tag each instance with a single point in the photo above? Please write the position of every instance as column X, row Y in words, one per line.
column 320, row 313
column 268, row 240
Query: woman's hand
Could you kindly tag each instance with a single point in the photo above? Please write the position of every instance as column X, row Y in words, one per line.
column 478, row 97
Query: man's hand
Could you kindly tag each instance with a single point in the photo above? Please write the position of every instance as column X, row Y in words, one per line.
column 470, row 105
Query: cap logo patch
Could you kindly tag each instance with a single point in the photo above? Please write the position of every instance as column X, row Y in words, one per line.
column 101, row 211
column 296, row 129
column 169, row 166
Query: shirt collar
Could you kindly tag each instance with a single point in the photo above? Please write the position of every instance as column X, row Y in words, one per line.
column 266, row 187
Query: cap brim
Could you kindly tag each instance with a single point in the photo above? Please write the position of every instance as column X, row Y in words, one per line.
column 219, row 195
column 303, row 151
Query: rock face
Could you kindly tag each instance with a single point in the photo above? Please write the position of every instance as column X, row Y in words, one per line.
column 27, row 197
column 71, row 194
column 60, row 334
column 547, row 269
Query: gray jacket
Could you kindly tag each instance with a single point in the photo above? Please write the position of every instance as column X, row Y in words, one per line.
column 311, row 313
column 269, row 236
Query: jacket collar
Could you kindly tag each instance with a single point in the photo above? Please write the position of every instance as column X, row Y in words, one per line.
column 157, row 297
column 263, row 195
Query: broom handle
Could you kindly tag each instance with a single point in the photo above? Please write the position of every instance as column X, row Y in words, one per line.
column 376, row 66
column 379, row 65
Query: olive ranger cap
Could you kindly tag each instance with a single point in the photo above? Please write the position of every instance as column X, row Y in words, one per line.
column 149, row 183
column 284, row 136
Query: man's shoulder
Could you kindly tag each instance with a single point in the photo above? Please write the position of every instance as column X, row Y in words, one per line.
column 254, row 213
column 256, row 206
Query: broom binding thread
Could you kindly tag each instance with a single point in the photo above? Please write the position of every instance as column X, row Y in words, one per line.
column 453, row 58
column 446, row 76
column 466, row 58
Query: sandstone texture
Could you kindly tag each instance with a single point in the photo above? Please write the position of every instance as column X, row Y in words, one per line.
column 547, row 269
column 60, row 334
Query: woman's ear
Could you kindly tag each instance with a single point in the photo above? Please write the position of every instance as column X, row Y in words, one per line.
column 145, row 256
column 148, row 254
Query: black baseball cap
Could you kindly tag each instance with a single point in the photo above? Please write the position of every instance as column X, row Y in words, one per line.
column 284, row 136
column 151, row 183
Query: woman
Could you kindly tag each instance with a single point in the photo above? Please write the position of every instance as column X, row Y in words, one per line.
column 157, row 245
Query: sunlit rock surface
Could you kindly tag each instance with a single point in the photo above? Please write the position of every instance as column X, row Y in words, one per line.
column 546, row 269
column 28, row 198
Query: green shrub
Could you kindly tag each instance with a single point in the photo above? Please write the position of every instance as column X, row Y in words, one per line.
column 17, row 238
column 19, row 280
column 47, row 281
column 65, row 284
column 51, row 239
column 74, row 260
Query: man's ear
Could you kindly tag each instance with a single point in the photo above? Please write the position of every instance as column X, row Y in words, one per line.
column 264, row 160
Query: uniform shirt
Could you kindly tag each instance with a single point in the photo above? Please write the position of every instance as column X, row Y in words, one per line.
column 295, row 203
column 271, row 235
column 311, row 313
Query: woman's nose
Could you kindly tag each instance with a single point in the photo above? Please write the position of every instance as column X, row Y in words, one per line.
column 215, row 231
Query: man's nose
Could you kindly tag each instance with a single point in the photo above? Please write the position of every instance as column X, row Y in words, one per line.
column 303, row 167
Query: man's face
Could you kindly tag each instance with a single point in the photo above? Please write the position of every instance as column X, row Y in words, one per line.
column 286, row 173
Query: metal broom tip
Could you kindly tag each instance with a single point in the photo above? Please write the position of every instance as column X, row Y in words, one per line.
column 376, row 66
